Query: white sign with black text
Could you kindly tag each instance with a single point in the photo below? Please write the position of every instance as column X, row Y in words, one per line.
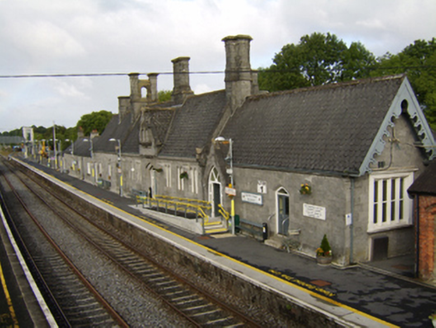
column 252, row 198
column 314, row 211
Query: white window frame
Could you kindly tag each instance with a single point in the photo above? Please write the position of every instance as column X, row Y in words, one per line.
column 167, row 169
column 388, row 207
column 180, row 182
column 194, row 180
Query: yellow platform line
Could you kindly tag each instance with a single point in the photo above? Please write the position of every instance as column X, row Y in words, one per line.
column 8, row 299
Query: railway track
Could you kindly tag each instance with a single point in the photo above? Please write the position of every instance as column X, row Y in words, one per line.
column 196, row 307
column 71, row 299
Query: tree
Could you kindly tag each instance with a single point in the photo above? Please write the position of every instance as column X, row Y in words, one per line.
column 318, row 59
column 94, row 121
column 418, row 61
column 164, row 95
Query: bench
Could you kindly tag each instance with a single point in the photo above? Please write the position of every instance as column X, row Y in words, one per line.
column 104, row 184
column 253, row 229
column 134, row 193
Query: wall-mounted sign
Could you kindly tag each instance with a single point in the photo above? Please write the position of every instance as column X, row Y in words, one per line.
column 348, row 219
column 252, row 198
column 261, row 187
column 230, row 191
column 314, row 211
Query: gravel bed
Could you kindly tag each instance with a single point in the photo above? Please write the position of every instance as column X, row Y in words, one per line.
column 115, row 288
column 135, row 304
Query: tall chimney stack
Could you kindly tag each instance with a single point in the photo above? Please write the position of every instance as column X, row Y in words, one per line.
column 135, row 92
column 182, row 88
column 152, row 97
column 238, row 76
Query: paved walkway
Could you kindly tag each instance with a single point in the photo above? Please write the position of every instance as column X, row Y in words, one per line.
column 383, row 289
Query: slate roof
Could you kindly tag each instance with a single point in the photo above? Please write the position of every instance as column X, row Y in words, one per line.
column 193, row 124
column 328, row 128
column 81, row 147
column 158, row 121
column 126, row 131
column 426, row 182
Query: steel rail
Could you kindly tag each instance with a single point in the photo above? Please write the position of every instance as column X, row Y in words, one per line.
column 182, row 280
column 36, row 273
column 91, row 288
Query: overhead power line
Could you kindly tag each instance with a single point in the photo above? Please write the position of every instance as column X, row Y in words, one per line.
column 264, row 70
column 21, row 76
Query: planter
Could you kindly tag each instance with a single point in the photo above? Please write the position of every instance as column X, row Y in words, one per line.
column 324, row 260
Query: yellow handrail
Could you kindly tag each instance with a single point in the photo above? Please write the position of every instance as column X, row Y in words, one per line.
column 193, row 200
column 223, row 212
column 176, row 206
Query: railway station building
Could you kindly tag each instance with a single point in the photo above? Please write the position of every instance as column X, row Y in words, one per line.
column 334, row 159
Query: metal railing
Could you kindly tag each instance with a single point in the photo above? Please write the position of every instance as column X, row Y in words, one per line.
column 223, row 212
column 175, row 207
column 184, row 200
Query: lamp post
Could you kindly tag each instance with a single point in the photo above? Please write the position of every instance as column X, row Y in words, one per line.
column 230, row 158
column 59, row 154
column 92, row 157
column 91, row 149
column 119, row 164
column 54, row 153
column 72, row 152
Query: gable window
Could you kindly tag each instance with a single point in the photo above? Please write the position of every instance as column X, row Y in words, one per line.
column 389, row 205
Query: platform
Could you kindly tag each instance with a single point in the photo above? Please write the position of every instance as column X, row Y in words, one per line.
column 369, row 295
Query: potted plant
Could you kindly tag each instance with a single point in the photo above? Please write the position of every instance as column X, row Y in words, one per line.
column 324, row 252
column 305, row 189
column 184, row 175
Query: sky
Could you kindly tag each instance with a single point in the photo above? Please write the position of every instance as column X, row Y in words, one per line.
column 46, row 37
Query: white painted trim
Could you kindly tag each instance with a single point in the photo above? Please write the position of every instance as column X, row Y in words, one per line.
column 408, row 203
column 277, row 193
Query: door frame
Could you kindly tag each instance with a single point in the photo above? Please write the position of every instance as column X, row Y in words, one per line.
column 284, row 194
column 214, row 179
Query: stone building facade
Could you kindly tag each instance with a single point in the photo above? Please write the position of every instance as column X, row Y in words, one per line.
column 358, row 146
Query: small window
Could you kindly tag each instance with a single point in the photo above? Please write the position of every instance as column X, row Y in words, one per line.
column 194, row 180
column 167, row 171
column 182, row 175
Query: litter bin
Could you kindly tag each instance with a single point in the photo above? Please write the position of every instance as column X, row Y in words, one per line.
column 264, row 231
column 236, row 223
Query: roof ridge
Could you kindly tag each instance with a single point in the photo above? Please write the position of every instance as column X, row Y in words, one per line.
column 332, row 85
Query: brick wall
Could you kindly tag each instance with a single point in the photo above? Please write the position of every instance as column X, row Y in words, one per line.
column 427, row 249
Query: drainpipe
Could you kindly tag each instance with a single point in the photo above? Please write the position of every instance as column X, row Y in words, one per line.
column 352, row 218
column 417, row 236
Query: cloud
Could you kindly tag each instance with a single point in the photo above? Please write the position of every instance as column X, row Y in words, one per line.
column 111, row 36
